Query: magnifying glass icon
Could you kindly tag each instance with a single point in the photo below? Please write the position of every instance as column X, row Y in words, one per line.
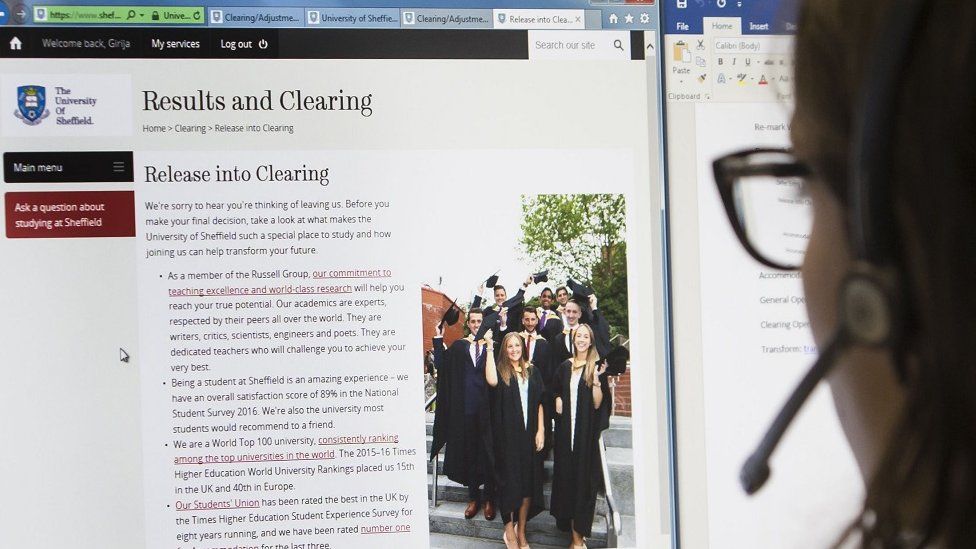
column 618, row 45
column 132, row 15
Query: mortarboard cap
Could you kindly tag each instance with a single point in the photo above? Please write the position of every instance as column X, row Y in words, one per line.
column 617, row 360
column 541, row 276
column 476, row 302
column 490, row 322
column 492, row 280
column 578, row 289
column 451, row 315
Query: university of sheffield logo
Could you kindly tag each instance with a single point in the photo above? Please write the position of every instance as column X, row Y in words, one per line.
column 30, row 105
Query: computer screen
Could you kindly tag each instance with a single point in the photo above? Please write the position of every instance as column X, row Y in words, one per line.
column 244, row 246
column 741, row 334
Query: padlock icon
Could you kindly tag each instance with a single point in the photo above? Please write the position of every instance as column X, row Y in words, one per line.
column 155, row 16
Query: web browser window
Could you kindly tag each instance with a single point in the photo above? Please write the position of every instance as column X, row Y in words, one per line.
column 741, row 335
column 233, row 235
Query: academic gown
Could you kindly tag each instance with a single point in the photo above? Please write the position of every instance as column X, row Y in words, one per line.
column 552, row 327
column 518, row 467
column 513, row 317
column 453, row 365
column 577, row 472
column 541, row 358
column 616, row 363
column 559, row 350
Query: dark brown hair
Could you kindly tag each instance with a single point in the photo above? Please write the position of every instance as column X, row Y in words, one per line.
column 924, row 489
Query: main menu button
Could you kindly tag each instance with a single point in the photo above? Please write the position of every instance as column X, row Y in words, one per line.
column 67, row 167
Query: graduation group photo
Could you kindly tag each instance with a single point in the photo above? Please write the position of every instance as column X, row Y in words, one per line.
column 527, row 376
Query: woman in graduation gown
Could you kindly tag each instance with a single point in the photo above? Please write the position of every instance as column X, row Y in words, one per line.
column 582, row 413
column 517, row 423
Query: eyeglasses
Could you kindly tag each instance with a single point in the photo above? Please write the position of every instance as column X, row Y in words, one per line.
column 765, row 196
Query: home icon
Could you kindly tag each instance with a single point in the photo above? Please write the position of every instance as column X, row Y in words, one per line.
column 613, row 18
column 15, row 44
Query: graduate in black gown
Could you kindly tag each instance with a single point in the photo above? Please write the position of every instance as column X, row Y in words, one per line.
column 550, row 320
column 582, row 309
column 582, row 412
column 517, row 426
column 561, row 346
column 509, row 309
column 538, row 352
column 562, row 298
column 462, row 419
column 536, row 345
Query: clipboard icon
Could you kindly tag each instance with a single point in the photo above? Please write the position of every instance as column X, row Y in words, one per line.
column 681, row 52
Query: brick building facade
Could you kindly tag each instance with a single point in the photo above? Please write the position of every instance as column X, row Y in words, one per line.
column 621, row 394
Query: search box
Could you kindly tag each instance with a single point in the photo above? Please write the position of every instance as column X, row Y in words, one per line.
column 602, row 45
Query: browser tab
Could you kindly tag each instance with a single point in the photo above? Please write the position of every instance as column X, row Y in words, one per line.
column 446, row 19
column 349, row 18
column 538, row 19
column 257, row 17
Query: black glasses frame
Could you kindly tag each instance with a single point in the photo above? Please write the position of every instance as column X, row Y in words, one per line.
column 731, row 167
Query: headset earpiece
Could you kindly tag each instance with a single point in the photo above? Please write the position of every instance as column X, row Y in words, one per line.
column 868, row 307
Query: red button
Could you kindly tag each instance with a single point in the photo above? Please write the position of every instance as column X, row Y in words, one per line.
column 70, row 214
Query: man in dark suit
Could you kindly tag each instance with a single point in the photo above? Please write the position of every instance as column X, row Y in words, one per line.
column 462, row 419
column 535, row 343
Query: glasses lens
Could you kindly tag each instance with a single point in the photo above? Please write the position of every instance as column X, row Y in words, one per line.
column 777, row 216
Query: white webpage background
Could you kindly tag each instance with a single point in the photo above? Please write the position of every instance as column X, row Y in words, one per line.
column 815, row 488
column 416, row 183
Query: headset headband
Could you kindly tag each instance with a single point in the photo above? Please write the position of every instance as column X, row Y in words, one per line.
column 871, row 209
